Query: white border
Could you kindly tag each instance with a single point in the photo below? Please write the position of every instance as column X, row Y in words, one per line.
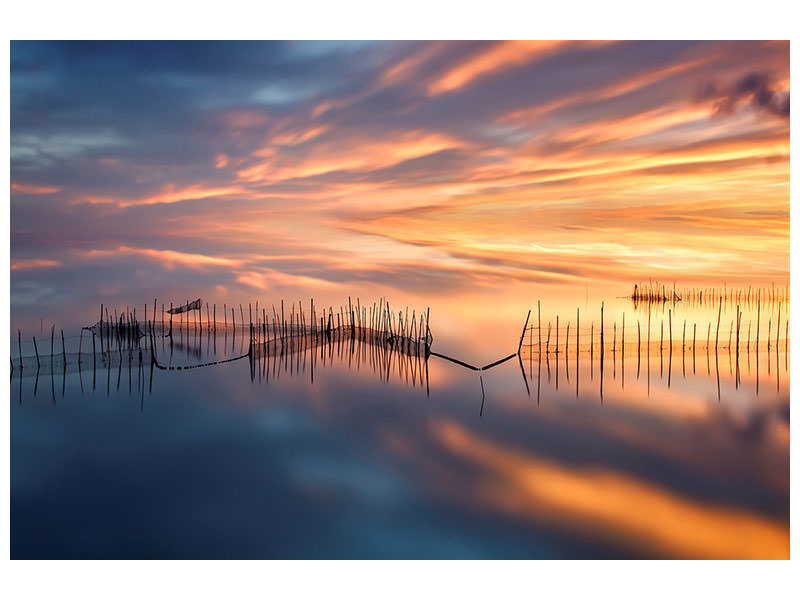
column 413, row 19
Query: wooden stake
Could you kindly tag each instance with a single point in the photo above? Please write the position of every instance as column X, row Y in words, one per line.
column 758, row 320
column 36, row 349
column 522, row 337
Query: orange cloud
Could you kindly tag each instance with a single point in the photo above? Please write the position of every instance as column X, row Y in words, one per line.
column 168, row 258
column 348, row 154
column 194, row 192
column 405, row 69
column 26, row 188
column 293, row 138
column 266, row 280
column 23, row 264
column 500, row 56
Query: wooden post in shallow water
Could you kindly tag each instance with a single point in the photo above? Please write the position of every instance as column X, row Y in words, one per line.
column 614, row 341
column 80, row 347
column 524, row 328
column 758, row 320
column 738, row 324
column 36, row 350
column 63, row 348
column 670, row 331
column 539, row 311
column 683, row 341
column 730, row 336
column 769, row 335
column 638, row 337
column 786, row 339
column 556, row 335
column 719, row 316
column 19, row 341
column 602, row 343
column 427, row 325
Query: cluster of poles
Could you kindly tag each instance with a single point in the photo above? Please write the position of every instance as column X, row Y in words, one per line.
column 268, row 332
column 275, row 325
column 403, row 356
column 549, row 338
column 382, row 334
column 658, row 292
column 562, row 339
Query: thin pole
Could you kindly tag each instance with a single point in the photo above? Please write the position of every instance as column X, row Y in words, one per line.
column 539, row 310
column 639, row 337
column 758, row 320
column 522, row 337
column 602, row 345
column 36, row 349
column 670, row 330
column 556, row 335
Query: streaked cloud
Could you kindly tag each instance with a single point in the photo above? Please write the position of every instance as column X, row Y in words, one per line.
column 22, row 264
column 24, row 188
column 417, row 164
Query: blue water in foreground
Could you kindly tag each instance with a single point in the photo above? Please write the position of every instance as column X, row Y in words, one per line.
column 384, row 456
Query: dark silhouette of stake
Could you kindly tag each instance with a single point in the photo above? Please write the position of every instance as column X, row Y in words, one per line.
column 36, row 349
column 524, row 328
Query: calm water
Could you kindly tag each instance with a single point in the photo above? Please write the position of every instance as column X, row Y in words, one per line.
column 346, row 449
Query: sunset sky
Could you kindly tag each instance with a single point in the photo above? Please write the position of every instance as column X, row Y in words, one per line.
column 249, row 169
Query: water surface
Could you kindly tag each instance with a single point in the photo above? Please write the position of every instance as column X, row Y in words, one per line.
column 348, row 448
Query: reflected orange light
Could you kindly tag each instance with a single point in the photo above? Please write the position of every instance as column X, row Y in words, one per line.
column 612, row 505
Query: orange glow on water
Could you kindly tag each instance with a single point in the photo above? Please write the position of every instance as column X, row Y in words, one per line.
column 614, row 506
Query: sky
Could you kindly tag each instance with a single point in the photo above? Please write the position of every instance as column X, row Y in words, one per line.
column 239, row 170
